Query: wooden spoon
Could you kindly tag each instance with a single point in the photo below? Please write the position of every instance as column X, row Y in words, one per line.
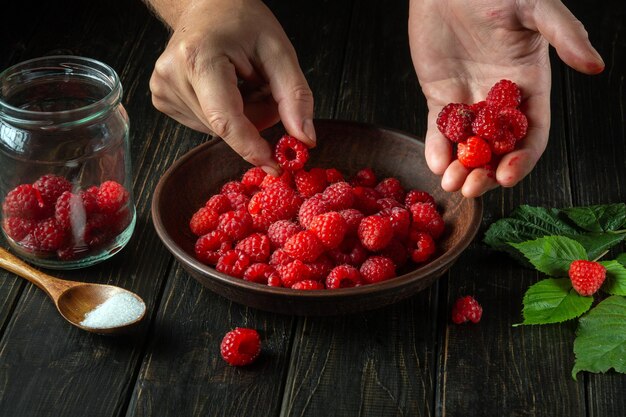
column 73, row 299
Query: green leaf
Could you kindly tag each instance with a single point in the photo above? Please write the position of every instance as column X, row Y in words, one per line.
column 615, row 283
column 597, row 243
column 601, row 218
column 600, row 342
column 552, row 255
column 621, row 259
column 553, row 301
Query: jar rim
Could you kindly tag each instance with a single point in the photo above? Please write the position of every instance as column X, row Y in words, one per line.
column 69, row 65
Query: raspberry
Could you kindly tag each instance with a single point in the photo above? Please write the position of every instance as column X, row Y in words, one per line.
column 111, row 196
column 290, row 153
column 262, row 273
column 504, row 93
column 366, row 199
column 282, row 230
column 455, row 121
column 587, row 276
column 350, row 251
column 18, row 228
column 233, row 263
column 397, row 252
column 505, row 144
column 387, row 203
column 261, row 222
column 240, row 346
column 49, row 235
column 334, row 175
column 427, row 219
column 29, row 243
column 24, row 201
column 238, row 201
column 364, row 178
column 514, row 121
column 466, row 309
column 210, row 247
column 202, row 222
column 51, row 187
column 343, row 276
column 353, row 218
column 423, row 247
column 391, row 188
column 330, row 228
column 252, row 179
column 284, row 180
column 308, row 284
column 400, row 221
column 90, row 200
column 474, row 153
column 236, row 224
column 280, row 257
column 220, row 203
column 487, row 124
column 416, row 196
column 275, row 203
column 476, row 107
column 339, row 196
column 304, row 246
column 98, row 230
column 311, row 182
column 311, row 208
column 69, row 211
column 256, row 246
column 293, row 272
column 377, row 269
column 233, row 187
column 375, row 232
column 321, row 267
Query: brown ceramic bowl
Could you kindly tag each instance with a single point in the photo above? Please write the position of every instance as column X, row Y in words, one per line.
column 348, row 146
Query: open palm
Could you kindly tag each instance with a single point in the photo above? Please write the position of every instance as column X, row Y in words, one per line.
column 461, row 48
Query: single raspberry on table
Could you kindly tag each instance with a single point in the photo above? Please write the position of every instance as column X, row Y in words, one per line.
column 233, row 187
column 24, row 201
column 353, row 218
column 236, row 224
column 241, row 346
column 330, row 228
column 377, row 269
column 350, row 251
column 262, row 273
column 343, row 276
column 17, row 228
column 364, row 178
column 422, row 247
column 280, row 231
column 111, row 196
column 466, row 309
column 51, row 187
column 293, row 272
column 504, row 93
column 290, row 153
column 256, row 246
column 513, row 121
column 202, row 222
column 252, row 179
column 375, row 232
column 309, row 183
column 233, row 263
column 49, row 235
column 334, row 175
column 304, row 246
column 339, row 196
column 311, row 208
column 474, row 153
column 455, row 121
column 427, row 219
column 210, row 247
column 587, row 276
column 308, row 284
column 219, row 202
column 417, row 196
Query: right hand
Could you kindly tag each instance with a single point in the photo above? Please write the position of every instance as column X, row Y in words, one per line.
column 229, row 69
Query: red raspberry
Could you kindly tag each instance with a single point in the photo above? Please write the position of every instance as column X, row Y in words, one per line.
column 24, row 201
column 49, row 235
column 466, row 309
column 252, row 179
column 256, row 246
column 504, row 93
column 339, row 196
column 51, row 187
column 280, row 231
column 416, row 196
column 90, row 200
column 330, row 228
column 422, row 247
column 343, row 276
column 240, row 346
column 387, row 203
column 377, row 269
column 210, row 247
column 397, row 252
column 455, row 121
column 334, row 175
column 290, row 153
column 391, row 188
column 366, row 199
column 427, row 219
column 98, row 230
column 233, row 263
column 364, row 178
column 29, row 243
column 487, row 124
column 400, row 221
column 353, row 218
column 18, row 228
column 321, row 267
column 236, row 224
column 311, row 208
column 280, row 257
column 276, row 203
column 304, row 246
column 261, row 222
column 69, row 252
column 233, row 187
column 311, row 182
column 238, row 201
column 220, row 203
column 505, row 144
column 202, row 222
column 587, row 276
column 262, row 273
column 284, row 180
column 476, row 107
column 514, row 121
column 293, row 272
column 69, row 209
column 351, row 251
column 375, row 232
column 474, row 153
column 111, row 196
column 308, row 284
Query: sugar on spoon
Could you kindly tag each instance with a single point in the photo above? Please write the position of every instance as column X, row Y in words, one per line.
column 97, row 308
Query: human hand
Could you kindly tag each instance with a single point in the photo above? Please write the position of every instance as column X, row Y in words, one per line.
column 229, row 69
column 461, row 48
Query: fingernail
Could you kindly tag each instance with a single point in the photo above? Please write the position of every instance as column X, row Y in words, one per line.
column 274, row 171
column 309, row 131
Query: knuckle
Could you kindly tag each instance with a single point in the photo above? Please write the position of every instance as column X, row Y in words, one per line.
column 302, row 92
column 220, row 123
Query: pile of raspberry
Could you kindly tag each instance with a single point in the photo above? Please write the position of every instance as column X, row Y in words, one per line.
column 485, row 130
column 313, row 229
column 49, row 219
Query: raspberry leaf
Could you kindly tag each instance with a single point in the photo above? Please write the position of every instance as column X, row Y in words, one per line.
column 600, row 218
column 600, row 342
column 553, row 301
column 552, row 255
column 621, row 259
column 597, row 243
column 615, row 283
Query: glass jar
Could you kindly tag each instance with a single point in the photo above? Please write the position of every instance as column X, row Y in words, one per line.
column 65, row 176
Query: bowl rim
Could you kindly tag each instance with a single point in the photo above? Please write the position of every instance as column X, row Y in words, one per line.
column 441, row 263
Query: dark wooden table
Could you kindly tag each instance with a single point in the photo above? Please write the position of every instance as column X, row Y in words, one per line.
column 407, row 359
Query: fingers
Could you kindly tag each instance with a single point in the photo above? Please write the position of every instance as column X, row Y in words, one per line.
column 438, row 150
column 567, row 34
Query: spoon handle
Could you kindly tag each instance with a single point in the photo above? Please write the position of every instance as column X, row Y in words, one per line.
column 52, row 286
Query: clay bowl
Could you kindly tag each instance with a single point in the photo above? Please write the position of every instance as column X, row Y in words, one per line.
column 348, row 146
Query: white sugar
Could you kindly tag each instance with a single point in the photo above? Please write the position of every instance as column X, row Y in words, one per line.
column 117, row 311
